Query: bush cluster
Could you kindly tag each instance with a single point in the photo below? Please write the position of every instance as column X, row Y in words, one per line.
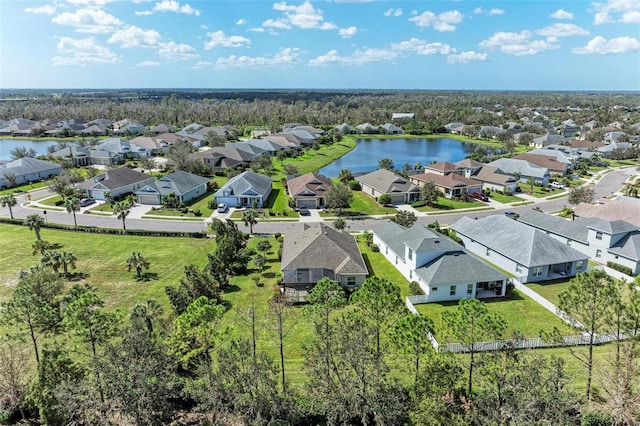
column 620, row 268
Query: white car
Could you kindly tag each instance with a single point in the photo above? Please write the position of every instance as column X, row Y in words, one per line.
column 557, row 185
column 222, row 208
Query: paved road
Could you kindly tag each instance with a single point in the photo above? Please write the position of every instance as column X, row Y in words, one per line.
column 607, row 185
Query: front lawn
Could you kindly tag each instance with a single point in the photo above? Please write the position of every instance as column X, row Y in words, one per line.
column 519, row 311
column 505, row 199
column 362, row 205
column 447, row 204
column 26, row 187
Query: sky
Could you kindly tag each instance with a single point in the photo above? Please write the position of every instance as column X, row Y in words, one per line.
column 331, row 44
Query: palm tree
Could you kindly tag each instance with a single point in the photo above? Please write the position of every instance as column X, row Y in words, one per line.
column 8, row 200
column 122, row 209
column 632, row 189
column 34, row 222
column 345, row 176
column 147, row 312
column 40, row 246
column 73, row 206
column 52, row 259
column 250, row 218
column 531, row 181
column 138, row 262
column 67, row 259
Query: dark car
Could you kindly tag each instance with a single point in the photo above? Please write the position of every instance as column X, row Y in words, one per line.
column 480, row 196
column 86, row 202
column 512, row 215
column 305, row 212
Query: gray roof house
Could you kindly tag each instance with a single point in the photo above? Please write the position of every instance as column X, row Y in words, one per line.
column 443, row 268
column 391, row 129
column 185, row 186
column 604, row 241
column 77, row 155
column 346, row 129
column 245, row 189
column 528, row 253
column 115, row 182
column 25, row 170
column 383, row 181
column 525, row 168
column 114, row 150
column 314, row 251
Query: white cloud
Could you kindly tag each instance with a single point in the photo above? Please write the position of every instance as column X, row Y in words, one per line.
column 176, row 51
column 466, row 57
column 601, row 46
column 393, row 12
column 601, row 18
column 359, row 57
column 82, row 52
column 562, row 30
column 170, row 6
column 88, row 21
column 517, row 44
column 494, row 11
column 616, row 6
column 133, row 36
column 143, row 13
column 285, row 56
column 348, row 32
column 201, row 64
column 44, row 10
column 561, row 14
column 422, row 47
column 632, row 17
column 241, row 22
column 90, row 3
column 220, row 39
column 147, row 64
column 304, row 16
column 442, row 22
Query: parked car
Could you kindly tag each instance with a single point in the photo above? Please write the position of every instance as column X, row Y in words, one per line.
column 480, row 196
column 557, row 185
column 511, row 215
column 222, row 208
column 86, row 202
column 304, row 212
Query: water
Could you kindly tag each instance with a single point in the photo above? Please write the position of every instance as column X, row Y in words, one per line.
column 365, row 156
column 6, row 145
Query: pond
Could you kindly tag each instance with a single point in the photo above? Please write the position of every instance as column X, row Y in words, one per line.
column 365, row 156
column 7, row 145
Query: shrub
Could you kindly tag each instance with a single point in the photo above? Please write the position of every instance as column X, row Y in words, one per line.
column 197, row 213
column 354, row 185
column 384, row 199
column 620, row 268
column 375, row 248
column 415, row 288
column 419, row 204
column 59, row 202
column 277, row 235
column 184, row 210
column 597, row 418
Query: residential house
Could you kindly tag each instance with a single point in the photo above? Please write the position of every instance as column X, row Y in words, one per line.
column 161, row 128
column 451, row 185
column 402, row 116
column 114, row 151
column 185, row 186
column 455, row 128
column 220, row 158
column 620, row 208
column 443, row 168
column 367, row 128
column 127, row 127
column 602, row 240
column 315, row 251
column 611, row 137
column 264, row 145
column 444, row 270
column 115, row 183
column 606, row 150
column 153, row 145
column 246, row 190
column 26, row 170
column 528, row 253
column 522, row 168
column 79, row 156
column 548, row 139
column 383, row 181
column 346, row 129
column 554, row 166
column 391, row 129
column 493, row 179
column 309, row 190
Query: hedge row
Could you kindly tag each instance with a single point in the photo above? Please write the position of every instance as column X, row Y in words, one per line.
column 111, row 231
column 620, row 268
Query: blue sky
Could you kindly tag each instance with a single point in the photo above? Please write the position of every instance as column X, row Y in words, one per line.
column 337, row 44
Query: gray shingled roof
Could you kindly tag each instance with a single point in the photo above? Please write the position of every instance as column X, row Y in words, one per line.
column 387, row 182
column 246, row 181
column 319, row 246
column 525, row 168
column 457, row 267
column 27, row 165
column 115, row 178
column 178, row 182
column 395, row 236
column 517, row 241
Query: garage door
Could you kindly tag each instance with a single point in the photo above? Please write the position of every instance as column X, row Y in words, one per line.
column 306, row 204
column 149, row 200
column 98, row 195
column 397, row 199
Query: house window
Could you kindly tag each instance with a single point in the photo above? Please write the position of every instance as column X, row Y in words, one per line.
column 598, row 253
column 410, row 254
column 537, row 271
column 579, row 264
column 598, row 235
column 351, row 281
column 488, row 252
column 518, row 267
column 469, row 288
column 452, row 290
column 434, row 288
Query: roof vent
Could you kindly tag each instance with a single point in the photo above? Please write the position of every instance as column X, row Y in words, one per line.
column 437, row 241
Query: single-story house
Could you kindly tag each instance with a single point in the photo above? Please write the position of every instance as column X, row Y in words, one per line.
column 115, row 182
column 314, row 251
column 246, row 189
column 493, row 179
column 185, row 186
column 77, row 155
column 154, row 145
column 383, row 181
column 309, row 190
column 25, row 170
column 524, row 169
column 620, row 208
column 221, row 158
column 451, row 185
column 554, row 166
column 391, row 129
column 444, row 270
column 602, row 240
column 528, row 253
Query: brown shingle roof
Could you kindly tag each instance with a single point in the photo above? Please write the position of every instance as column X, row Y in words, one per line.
column 451, row 180
column 444, row 167
column 542, row 161
column 309, row 185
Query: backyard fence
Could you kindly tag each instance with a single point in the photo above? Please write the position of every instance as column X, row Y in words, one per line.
column 546, row 304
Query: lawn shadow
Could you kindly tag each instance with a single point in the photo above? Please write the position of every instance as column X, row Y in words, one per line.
column 148, row 276
column 77, row 276
column 232, row 288
column 511, row 295
column 269, row 275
